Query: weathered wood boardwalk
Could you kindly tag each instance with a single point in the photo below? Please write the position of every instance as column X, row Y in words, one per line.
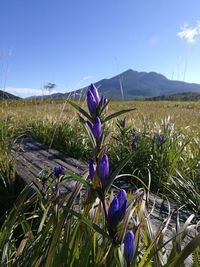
column 32, row 158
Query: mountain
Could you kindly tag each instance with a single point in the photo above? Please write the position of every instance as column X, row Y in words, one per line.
column 5, row 95
column 133, row 84
column 136, row 84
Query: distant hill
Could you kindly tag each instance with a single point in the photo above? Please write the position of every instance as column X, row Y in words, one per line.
column 133, row 84
column 5, row 95
column 186, row 96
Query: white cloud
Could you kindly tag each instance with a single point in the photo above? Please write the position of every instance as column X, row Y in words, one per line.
column 189, row 33
column 87, row 77
column 154, row 40
column 26, row 92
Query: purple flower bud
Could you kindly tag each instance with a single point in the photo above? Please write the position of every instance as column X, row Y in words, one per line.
column 129, row 246
column 117, row 209
column 105, row 100
column 97, row 130
column 104, row 168
column 91, row 102
column 123, row 123
column 113, row 213
column 135, row 138
column 102, row 102
column 161, row 138
column 122, row 198
column 58, row 171
column 134, row 146
column 95, row 93
column 92, row 169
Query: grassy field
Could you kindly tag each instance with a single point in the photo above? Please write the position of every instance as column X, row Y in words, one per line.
column 159, row 139
column 183, row 114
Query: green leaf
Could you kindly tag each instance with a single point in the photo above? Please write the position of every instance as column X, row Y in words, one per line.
column 77, row 178
column 104, row 106
column 90, row 135
column 116, row 114
column 179, row 259
column 117, row 171
column 79, row 109
column 92, row 225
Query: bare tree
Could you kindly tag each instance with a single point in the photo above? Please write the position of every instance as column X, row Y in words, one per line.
column 49, row 87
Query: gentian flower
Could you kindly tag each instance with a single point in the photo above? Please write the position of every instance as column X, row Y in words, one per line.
column 93, row 99
column 117, row 209
column 122, row 198
column 161, row 138
column 58, row 171
column 113, row 213
column 135, row 138
column 91, row 102
column 123, row 123
column 104, row 102
column 104, row 168
column 97, row 130
column 129, row 246
column 134, row 146
column 94, row 91
column 92, row 169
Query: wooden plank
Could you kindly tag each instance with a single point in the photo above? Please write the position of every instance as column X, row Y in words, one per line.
column 33, row 158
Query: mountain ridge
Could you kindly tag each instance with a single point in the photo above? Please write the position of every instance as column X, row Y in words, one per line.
column 5, row 96
column 132, row 84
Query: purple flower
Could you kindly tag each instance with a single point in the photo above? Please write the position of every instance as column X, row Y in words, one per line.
column 91, row 102
column 104, row 168
column 123, row 123
column 92, row 169
column 102, row 102
column 58, row 171
column 135, row 138
column 94, row 91
column 97, row 130
column 105, row 100
column 122, row 198
column 129, row 246
column 161, row 138
column 117, row 209
column 134, row 146
column 113, row 218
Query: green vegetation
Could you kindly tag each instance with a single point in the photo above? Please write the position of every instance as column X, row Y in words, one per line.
column 186, row 96
column 156, row 150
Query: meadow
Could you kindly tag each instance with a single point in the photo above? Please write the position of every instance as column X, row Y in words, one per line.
column 156, row 147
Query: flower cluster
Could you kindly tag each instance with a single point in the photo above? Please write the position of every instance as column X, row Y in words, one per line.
column 95, row 104
column 100, row 169
column 135, row 139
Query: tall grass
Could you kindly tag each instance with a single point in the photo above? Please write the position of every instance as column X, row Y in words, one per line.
column 55, row 124
column 57, row 228
column 10, row 186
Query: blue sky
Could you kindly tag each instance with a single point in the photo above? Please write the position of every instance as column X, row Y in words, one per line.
column 72, row 43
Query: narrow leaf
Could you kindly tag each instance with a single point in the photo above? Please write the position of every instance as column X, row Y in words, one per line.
column 79, row 109
column 116, row 114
